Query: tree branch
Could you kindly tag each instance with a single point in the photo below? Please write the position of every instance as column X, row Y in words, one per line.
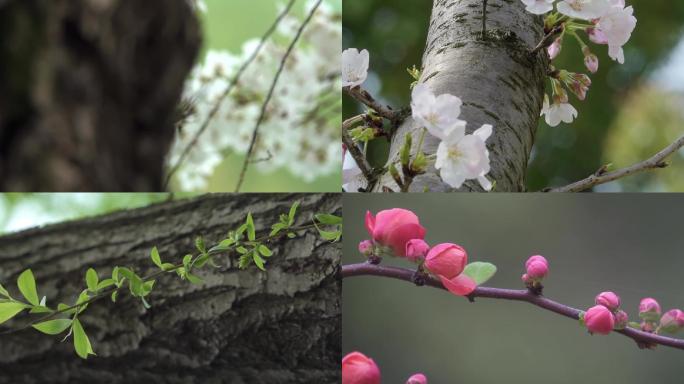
column 547, row 40
column 358, row 156
column 363, row 97
column 640, row 337
column 602, row 177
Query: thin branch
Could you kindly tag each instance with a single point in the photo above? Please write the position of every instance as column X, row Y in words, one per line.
column 262, row 115
column 358, row 156
column 640, row 337
column 548, row 39
column 225, row 94
column 602, row 176
column 484, row 19
column 362, row 96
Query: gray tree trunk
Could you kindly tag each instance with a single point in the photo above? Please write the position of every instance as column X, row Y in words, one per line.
column 499, row 82
column 89, row 90
column 240, row 326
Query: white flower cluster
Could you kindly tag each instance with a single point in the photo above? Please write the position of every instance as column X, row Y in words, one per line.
column 300, row 131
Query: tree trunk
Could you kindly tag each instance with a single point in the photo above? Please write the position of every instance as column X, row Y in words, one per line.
column 88, row 91
column 499, row 82
column 239, row 326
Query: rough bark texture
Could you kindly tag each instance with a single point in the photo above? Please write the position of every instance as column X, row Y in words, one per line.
column 88, row 91
column 278, row 326
column 499, row 82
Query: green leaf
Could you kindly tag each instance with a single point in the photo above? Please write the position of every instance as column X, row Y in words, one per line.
column 63, row 308
column 242, row 250
column 4, row 292
column 193, row 279
column 224, row 244
column 327, row 219
column 27, row 286
column 145, row 303
column 40, row 309
column 167, row 266
column 81, row 342
column 199, row 244
column 147, row 287
column 251, row 232
column 10, row 309
column 258, row 261
column 53, row 327
column 634, row 324
column 82, row 298
column 480, row 271
column 156, row 259
column 244, row 261
column 92, row 280
column 291, row 235
column 115, row 274
column 329, row 235
column 291, row 214
column 200, row 261
column 114, row 294
column 105, row 283
column 186, row 261
column 277, row 227
column 265, row 251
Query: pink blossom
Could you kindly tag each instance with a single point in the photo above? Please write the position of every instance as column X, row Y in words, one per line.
column 621, row 319
column 609, row 300
column 537, row 268
column 599, row 319
column 366, row 247
column 394, row 228
column 672, row 321
column 417, row 378
column 359, row 369
column 649, row 305
column 416, row 249
column 448, row 261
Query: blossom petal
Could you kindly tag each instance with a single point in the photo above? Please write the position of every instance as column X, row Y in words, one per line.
column 460, row 285
column 370, row 223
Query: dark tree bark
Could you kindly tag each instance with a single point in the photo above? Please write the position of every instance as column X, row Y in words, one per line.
column 88, row 91
column 499, row 82
column 239, row 326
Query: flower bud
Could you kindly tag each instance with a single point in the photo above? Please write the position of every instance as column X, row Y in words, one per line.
column 416, row 249
column 366, row 247
column 621, row 319
column 359, row 369
column 418, row 378
column 599, row 319
column 393, row 228
column 649, row 309
column 591, row 61
column 609, row 300
column 446, row 260
column 672, row 321
column 537, row 268
column 555, row 48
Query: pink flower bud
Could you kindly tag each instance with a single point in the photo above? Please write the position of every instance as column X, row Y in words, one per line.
column 366, row 247
column 418, row 378
column 591, row 61
column 672, row 321
column 597, row 36
column 359, row 369
column 649, row 305
column 446, row 260
column 555, row 48
column 394, row 228
column 537, row 267
column 621, row 319
column 609, row 300
column 599, row 319
column 416, row 249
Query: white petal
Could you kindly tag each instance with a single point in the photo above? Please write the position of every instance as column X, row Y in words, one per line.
column 484, row 132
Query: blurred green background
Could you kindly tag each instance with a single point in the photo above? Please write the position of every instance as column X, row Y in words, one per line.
column 227, row 25
column 20, row 211
column 632, row 110
column 628, row 243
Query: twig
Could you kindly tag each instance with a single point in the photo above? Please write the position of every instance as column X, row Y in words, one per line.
column 641, row 337
column 225, row 94
column 255, row 133
column 602, row 177
column 358, row 156
column 364, row 97
column 548, row 39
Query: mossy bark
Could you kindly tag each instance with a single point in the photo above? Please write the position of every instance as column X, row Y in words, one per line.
column 499, row 82
column 240, row 326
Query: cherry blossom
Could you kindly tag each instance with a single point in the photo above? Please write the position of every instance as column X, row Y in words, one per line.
column 615, row 28
column 354, row 67
column 557, row 112
column 352, row 177
column 463, row 157
column 438, row 114
column 538, row 7
column 583, row 9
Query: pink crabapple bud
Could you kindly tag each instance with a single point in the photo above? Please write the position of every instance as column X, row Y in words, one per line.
column 359, row 369
column 446, row 259
column 536, row 268
column 417, row 378
column 393, row 228
column 366, row 247
column 672, row 321
column 416, row 249
column 599, row 319
column 621, row 319
column 609, row 300
column 649, row 305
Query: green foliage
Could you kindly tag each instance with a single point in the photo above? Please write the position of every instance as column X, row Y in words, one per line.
column 480, row 271
column 10, row 309
column 328, row 220
column 53, row 327
column 27, row 286
column 92, row 280
column 81, row 341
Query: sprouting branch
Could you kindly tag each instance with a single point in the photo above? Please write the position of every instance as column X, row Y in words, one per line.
column 362, row 96
column 264, row 106
column 358, row 156
column 222, row 97
column 640, row 337
column 602, row 176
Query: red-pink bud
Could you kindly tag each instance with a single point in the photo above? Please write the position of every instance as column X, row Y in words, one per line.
column 555, row 48
column 537, row 267
column 649, row 305
column 418, row 378
column 359, row 369
column 609, row 300
column 416, row 249
column 621, row 319
column 366, row 247
column 672, row 321
column 591, row 61
column 599, row 319
column 446, row 260
column 394, row 228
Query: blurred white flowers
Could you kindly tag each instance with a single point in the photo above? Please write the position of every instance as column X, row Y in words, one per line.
column 354, row 67
column 300, row 131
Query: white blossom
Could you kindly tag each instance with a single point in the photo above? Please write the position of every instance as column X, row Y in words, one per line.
column 557, row 112
column 538, row 7
column 352, row 177
column 354, row 67
column 616, row 28
column 584, row 9
column 439, row 114
column 463, row 157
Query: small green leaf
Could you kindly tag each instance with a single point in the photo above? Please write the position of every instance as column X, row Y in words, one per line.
column 53, row 327
column 156, row 259
column 167, row 266
column 327, row 219
column 114, row 294
column 82, row 298
column 199, row 244
column 147, row 287
column 186, row 261
column 81, row 342
column 10, row 309
column 105, row 283
column 251, row 232
column 27, row 286
column 329, row 235
column 200, row 261
column 265, row 251
column 291, row 235
column 291, row 214
column 4, row 292
column 145, row 303
column 244, row 261
column 223, row 245
column 276, row 228
column 40, row 309
column 480, row 271
column 193, row 279
column 92, row 280
column 634, row 324
column 241, row 250
column 63, row 308
column 258, row 261
column 115, row 274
